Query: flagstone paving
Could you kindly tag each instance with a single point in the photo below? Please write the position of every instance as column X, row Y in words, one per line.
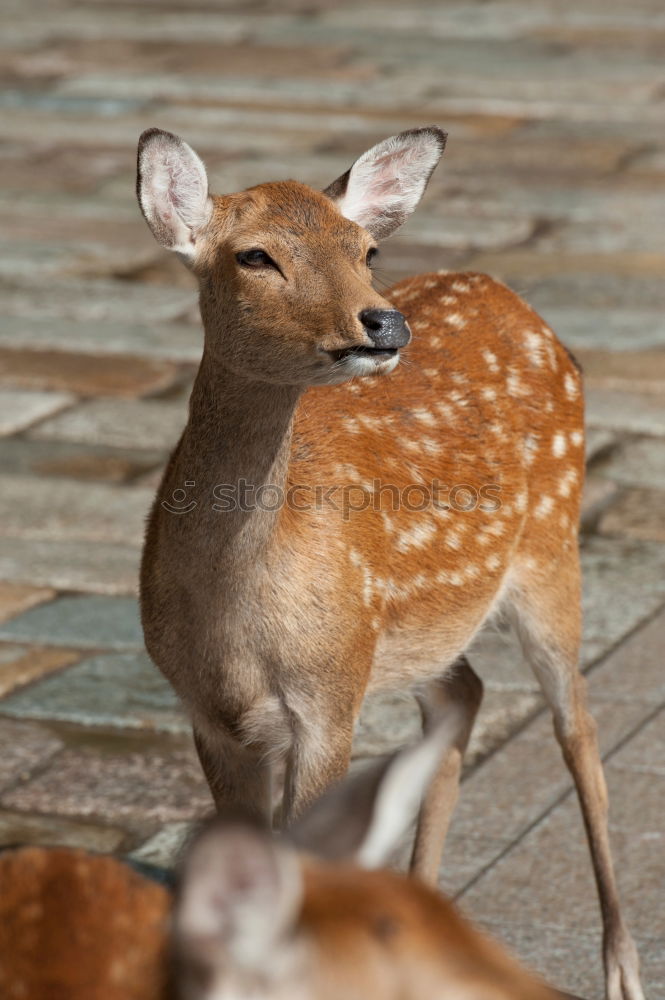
column 552, row 181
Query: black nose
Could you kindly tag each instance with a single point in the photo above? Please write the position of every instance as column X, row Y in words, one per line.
column 386, row 327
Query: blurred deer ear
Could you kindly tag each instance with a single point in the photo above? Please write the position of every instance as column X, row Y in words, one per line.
column 384, row 186
column 240, row 894
column 172, row 189
column 364, row 817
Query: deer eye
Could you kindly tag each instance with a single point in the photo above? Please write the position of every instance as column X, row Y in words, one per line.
column 255, row 259
column 371, row 254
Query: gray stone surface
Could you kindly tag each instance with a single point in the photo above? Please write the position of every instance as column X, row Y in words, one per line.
column 171, row 341
column 23, row 747
column 75, row 565
column 62, row 510
column 636, row 514
column 637, row 413
column 165, row 847
column 122, row 424
column 21, row 408
column 85, row 463
column 131, row 787
column 23, row 829
column 637, row 463
column 78, row 621
column 120, row 689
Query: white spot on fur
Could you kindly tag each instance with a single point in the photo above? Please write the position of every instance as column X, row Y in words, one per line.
column 577, row 438
column 426, row 416
column 571, row 386
column 492, row 562
column 514, row 385
column 530, row 448
column 456, row 320
column 418, row 535
column 448, row 300
column 461, row 286
column 535, row 348
column 559, row 445
column 491, row 359
column 489, row 394
column 566, row 483
column 521, row 501
column 545, row 506
column 454, row 539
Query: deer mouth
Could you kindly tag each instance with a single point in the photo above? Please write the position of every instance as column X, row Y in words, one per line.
column 362, row 351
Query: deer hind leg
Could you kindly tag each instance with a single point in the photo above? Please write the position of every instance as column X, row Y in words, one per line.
column 547, row 611
column 461, row 688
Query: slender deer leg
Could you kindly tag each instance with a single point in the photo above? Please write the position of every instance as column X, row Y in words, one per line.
column 236, row 775
column 461, row 686
column 549, row 626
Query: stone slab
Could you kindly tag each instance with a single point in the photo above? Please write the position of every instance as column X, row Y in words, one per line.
column 636, row 514
column 62, row 509
column 165, row 847
column 101, row 334
column 628, row 371
column 23, row 747
column 133, row 787
column 597, row 496
column 638, row 462
column 624, row 583
column 129, row 424
column 121, row 690
column 47, row 831
column 84, row 374
column 73, row 565
column 20, row 408
column 86, row 463
column 24, row 665
column 631, row 412
column 598, row 442
column 80, row 622
column 16, row 598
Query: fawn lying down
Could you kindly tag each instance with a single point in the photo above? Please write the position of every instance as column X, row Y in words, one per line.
column 273, row 610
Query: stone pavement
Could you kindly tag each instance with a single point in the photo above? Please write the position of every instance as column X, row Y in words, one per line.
column 553, row 180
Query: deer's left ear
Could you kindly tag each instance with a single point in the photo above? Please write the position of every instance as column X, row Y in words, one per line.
column 384, row 186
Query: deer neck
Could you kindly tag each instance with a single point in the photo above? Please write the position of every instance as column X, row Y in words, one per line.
column 238, row 440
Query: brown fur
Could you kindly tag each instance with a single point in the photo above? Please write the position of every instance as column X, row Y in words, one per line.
column 75, row 926
column 375, row 934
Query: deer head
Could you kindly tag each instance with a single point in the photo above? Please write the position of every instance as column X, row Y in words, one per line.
column 285, row 271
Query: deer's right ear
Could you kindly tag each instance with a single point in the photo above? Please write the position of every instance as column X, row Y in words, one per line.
column 172, row 189
column 364, row 817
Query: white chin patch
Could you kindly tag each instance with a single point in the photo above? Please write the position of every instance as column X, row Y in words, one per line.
column 355, row 365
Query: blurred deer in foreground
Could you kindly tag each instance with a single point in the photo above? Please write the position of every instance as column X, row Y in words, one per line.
column 460, row 476
column 255, row 918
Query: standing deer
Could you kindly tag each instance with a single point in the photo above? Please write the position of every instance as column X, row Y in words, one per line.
column 273, row 619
